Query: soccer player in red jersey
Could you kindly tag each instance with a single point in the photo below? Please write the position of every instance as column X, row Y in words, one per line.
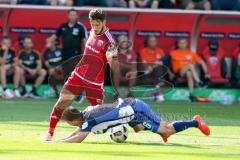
column 88, row 75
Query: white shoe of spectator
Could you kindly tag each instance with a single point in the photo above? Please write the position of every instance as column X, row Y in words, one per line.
column 160, row 98
column 17, row 93
column 7, row 94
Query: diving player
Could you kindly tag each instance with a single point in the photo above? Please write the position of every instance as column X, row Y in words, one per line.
column 135, row 112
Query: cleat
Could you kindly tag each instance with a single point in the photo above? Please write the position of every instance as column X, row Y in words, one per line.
column 47, row 137
column 192, row 98
column 165, row 139
column 201, row 125
column 160, row 98
column 7, row 94
column 17, row 93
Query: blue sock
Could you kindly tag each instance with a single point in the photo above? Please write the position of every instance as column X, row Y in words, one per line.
column 182, row 125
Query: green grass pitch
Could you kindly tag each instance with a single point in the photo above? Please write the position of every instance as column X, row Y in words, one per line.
column 22, row 123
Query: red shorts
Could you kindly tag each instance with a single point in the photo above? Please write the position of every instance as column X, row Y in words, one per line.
column 76, row 85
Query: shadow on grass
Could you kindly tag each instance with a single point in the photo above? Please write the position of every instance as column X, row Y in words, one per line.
column 150, row 144
column 44, row 125
column 121, row 153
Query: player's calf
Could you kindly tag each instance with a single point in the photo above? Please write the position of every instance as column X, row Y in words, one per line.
column 66, row 98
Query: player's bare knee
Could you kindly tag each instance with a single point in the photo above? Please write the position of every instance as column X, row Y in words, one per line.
column 17, row 70
column 2, row 68
column 189, row 74
column 138, row 128
column 43, row 73
column 63, row 103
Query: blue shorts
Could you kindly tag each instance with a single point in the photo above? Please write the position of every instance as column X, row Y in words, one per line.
column 145, row 116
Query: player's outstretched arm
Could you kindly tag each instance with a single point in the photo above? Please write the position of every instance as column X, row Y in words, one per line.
column 77, row 138
column 75, row 132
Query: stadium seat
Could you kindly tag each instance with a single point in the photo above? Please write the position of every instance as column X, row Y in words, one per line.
column 216, row 64
column 235, row 61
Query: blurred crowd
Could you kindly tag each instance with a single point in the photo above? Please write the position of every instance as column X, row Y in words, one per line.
column 20, row 63
column 154, row 4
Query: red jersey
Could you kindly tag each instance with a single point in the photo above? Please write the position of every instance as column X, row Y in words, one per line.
column 92, row 65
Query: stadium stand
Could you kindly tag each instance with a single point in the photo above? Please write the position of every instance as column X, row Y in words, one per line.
column 198, row 27
column 233, row 5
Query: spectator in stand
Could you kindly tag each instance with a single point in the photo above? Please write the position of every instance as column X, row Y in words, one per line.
column 8, row 66
column 33, row 2
column 8, row 1
column 53, row 2
column 31, row 65
column 225, row 5
column 127, row 66
column 151, row 56
column 52, row 60
column 117, row 3
column 183, row 63
column 163, row 3
column 101, row 3
column 73, row 36
column 69, row 3
column 236, row 67
column 195, row 4
column 143, row 4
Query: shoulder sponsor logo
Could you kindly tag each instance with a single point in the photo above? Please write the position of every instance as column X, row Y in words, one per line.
column 47, row 30
column 149, row 33
column 22, row 30
column 217, row 35
column 177, row 34
column 234, row 36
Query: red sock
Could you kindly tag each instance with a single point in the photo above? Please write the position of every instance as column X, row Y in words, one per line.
column 54, row 119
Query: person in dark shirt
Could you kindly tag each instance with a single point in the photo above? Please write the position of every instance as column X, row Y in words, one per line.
column 8, row 65
column 53, row 60
column 195, row 4
column 31, row 64
column 72, row 34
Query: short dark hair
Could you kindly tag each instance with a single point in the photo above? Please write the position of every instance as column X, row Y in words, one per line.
column 71, row 114
column 97, row 14
column 72, row 10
